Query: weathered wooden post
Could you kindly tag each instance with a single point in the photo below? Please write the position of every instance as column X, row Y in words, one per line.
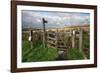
column 57, row 38
column 31, row 37
column 73, row 38
column 44, row 37
column 81, row 42
column 80, row 39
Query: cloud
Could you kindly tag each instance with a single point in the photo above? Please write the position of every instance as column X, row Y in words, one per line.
column 55, row 19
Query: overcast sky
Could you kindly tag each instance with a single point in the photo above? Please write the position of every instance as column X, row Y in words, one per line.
column 33, row 19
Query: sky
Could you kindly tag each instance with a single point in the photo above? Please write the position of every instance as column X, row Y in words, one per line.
column 33, row 19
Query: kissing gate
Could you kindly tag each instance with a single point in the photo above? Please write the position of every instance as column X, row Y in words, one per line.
column 62, row 39
column 56, row 39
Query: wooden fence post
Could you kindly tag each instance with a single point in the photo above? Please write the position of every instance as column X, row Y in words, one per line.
column 80, row 39
column 81, row 42
column 56, row 38
column 73, row 39
column 31, row 38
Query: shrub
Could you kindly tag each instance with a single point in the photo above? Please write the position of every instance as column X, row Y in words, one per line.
column 86, row 44
column 25, row 36
column 86, row 40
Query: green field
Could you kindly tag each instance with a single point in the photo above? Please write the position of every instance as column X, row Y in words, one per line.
column 39, row 53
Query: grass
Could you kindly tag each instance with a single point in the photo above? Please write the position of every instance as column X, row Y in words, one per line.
column 38, row 53
column 74, row 54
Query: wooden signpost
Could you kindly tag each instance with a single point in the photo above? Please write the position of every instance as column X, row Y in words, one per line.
column 44, row 37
